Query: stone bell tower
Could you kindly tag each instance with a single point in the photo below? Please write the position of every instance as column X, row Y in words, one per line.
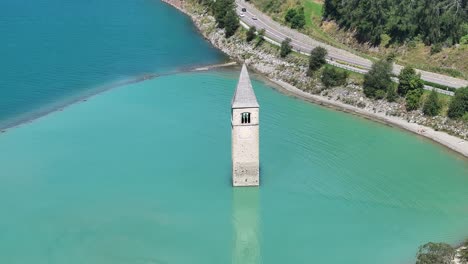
column 245, row 133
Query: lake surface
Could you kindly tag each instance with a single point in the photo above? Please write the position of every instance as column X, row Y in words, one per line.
column 53, row 51
column 141, row 173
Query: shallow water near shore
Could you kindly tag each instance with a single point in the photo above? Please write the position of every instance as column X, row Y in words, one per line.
column 141, row 174
column 55, row 51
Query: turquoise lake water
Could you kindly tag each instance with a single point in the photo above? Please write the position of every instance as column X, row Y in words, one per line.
column 141, row 173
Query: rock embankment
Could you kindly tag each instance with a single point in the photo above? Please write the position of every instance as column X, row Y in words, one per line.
column 290, row 75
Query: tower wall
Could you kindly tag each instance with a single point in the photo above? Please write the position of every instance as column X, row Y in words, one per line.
column 245, row 148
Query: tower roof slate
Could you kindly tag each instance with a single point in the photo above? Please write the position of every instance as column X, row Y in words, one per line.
column 244, row 97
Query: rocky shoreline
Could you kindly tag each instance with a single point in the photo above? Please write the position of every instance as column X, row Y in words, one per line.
column 290, row 75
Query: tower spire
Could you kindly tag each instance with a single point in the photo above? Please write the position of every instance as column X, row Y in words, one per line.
column 244, row 96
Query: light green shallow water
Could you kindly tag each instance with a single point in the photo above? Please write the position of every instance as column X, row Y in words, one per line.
column 141, row 174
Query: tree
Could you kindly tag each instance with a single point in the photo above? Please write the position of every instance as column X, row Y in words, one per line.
column 250, row 35
column 432, row 105
column 435, row 253
column 331, row 77
column 286, row 48
column 317, row 59
column 409, row 80
column 295, row 17
column 220, row 10
column 298, row 21
column 434, row 21
column 231, row 23
column 459, row 105
column 378, row 78
column 290, row 14
column 413, row 99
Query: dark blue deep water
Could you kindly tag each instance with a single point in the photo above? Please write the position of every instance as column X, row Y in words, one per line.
column 52, row 51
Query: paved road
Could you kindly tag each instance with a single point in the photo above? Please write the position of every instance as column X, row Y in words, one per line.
column 304, row 43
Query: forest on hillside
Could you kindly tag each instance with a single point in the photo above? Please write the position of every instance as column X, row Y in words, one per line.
column 440, row 22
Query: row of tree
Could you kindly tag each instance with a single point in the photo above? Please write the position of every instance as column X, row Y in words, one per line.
column 378, row 84
column 433, row 21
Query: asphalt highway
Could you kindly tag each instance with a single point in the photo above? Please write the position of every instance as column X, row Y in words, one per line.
column 303, row 43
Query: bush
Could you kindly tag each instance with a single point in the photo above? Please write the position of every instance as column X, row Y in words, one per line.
column 409, row 80
column 464, row 40
column 317, row 59
column 295, row 17
column 436, row 48
column 435, row 253
column 413, row 99
column 260, row 37
column 379, row 94
column 231, row 23
column 432, row 105
column 298, row 21
column 378, row 79
column 459, row 105
column 290, row 14
column 286, row 47
column 250, row 35
column 332, row 77
column 392, row 94
column 464, row 118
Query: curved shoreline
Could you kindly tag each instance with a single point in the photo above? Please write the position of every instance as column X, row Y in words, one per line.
column 452, row 143
column 86, row 95
column 455, row 144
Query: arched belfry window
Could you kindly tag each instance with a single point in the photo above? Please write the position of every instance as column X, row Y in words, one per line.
column 245, row 118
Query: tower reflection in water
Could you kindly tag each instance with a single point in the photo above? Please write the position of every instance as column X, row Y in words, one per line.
column 245, row 209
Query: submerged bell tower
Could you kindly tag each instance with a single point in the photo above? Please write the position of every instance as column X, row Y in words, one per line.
column 245, row 133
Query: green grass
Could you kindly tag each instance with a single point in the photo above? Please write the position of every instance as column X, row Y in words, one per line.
column 443, row 99
column 312, row 11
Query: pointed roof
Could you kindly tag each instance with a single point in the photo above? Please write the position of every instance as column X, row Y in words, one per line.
column 244, row 97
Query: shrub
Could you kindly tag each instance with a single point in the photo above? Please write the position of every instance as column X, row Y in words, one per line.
column 435, row 253
column 409, row 80
column 298, row 21
column 378, row 78
column 413, row 99
column 379, row 94
column 290, row 14
column 260, row 37
column 250, row 35
column 392, row 94
column 432, row 105
column 465, row 119
column 286, row 47
column 332, row 77
column 295, row 17
column 317, row 59
column 459, row 105
column 464, row 40
column 436, row 48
